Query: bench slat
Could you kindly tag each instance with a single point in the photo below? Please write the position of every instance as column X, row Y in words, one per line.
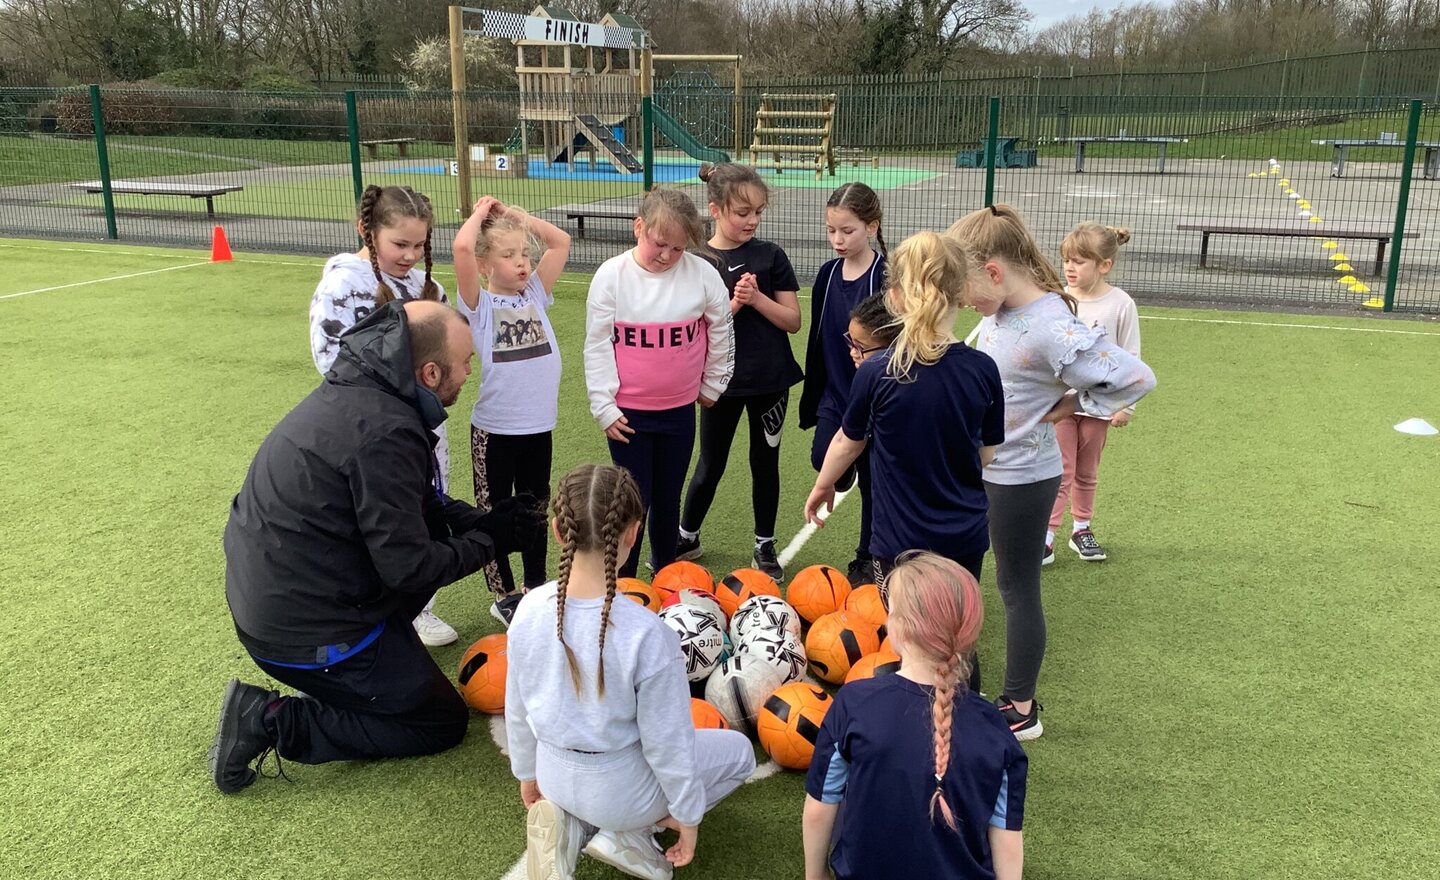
column 137, row 187
column 1307, row 230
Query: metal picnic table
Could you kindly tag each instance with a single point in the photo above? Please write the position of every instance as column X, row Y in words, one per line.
column 1080, row 142
column 1337, row 169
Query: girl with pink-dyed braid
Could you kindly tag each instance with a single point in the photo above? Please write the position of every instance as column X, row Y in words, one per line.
column 952, row 788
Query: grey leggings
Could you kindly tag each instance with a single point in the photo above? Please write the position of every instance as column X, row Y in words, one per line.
column 1018, row 518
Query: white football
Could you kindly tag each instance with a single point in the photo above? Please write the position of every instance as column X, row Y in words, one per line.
column 702, row 641
column 740, row 686
column 779, row 648
column 697, row 599
column 763, row 612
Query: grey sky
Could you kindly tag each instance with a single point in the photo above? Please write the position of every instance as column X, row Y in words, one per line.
column 1047, row 12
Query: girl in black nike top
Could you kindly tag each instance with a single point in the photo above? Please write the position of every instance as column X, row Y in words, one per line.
column 762, row 288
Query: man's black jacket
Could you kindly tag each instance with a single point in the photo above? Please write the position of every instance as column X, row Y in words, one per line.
column 339, row 523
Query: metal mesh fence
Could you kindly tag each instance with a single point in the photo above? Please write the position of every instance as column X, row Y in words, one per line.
column 1260, row 200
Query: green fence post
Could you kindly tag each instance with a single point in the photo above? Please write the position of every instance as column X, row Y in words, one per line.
column 1412, row 134
column 647, row 140
column 104, row 157
column 352, row 126
column 992, row 136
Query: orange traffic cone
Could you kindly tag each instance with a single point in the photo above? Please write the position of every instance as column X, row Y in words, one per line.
column 219, row 247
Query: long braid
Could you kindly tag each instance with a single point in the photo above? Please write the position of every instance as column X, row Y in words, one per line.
column 383, row 293
column 430, row 290
column 610, row 537
column 567, row 527
column 880, row 240
column 942, row 714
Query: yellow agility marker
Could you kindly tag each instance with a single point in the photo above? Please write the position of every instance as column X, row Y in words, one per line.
column 1343, row 267
column 1360, row 287
column 1254, row 174
column 1347, row 280
column 1274, row 169
column 1374, row 302
column 1329, row 245
column 1316, row 219
column 1303, row 203
column 1338, row 257
column 1284, row 181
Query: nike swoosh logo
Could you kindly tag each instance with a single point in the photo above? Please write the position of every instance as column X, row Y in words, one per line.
column 733, row 268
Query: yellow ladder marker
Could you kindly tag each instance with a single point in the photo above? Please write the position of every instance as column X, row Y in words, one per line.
column 1303, row 204
column 1329, row 245
column 1343, row 267
column 1360, row 287
column 1338, row 257
column 1374, row 302
column 1316, row 219
column 1347, row 280
column 1284, row 181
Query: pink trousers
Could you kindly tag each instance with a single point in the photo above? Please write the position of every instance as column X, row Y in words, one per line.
column 1081, row 440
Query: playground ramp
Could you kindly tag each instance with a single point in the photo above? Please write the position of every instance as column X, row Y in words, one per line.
column 681, row 137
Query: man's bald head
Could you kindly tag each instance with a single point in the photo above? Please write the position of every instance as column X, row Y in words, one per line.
column 440, row 347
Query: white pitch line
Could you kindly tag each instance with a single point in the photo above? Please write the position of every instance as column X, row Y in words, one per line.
column 1289, row 326
column 807, row 532
column 102, row 280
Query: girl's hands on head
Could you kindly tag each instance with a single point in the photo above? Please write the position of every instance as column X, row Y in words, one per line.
column 530, row 793
column 618, row 429
column 486, row 205
column 682, row 851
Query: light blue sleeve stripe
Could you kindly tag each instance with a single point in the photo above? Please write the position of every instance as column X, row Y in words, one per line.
column 837, row 776
column 1002, row 803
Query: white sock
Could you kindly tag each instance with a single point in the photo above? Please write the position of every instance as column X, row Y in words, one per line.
column 689, row 536
column 759, row 540
column 1080, row 525
column 1049, row 538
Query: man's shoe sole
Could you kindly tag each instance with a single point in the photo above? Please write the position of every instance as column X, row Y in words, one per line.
column 544, row 830
column 227, row 728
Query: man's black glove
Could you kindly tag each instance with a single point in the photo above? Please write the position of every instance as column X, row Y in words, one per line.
column 514, row 525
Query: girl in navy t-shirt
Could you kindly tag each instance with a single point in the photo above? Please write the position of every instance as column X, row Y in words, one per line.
column 852, row 218
column 766, row 311
column 917, row 756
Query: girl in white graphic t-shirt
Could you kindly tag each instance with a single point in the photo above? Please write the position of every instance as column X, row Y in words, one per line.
column 505, row 295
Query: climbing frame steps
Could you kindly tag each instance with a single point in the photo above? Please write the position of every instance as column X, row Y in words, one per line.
column 591, row 133
column 788, row 127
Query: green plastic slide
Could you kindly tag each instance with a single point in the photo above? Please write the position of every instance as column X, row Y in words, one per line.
column 681, row 137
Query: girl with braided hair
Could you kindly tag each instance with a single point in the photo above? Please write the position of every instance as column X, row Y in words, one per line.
column 918, row 756
column 597, row 705
column 394, row 222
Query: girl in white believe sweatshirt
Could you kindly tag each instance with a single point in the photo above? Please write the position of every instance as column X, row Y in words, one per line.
column 597, row 705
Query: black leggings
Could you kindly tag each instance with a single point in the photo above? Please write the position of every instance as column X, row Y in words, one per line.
column 825, row 431
column 972, row 564
column 1019, row 516
column 658, row 455
column 717, row 431
column 506, row 465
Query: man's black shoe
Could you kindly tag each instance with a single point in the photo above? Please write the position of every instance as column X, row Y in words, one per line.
column 240, row 736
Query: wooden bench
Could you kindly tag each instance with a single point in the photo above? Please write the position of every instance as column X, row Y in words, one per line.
column 373, row 146
column 205, row 191
column 1378, row 233
column 855, row 156
column 581, row 214
column 1342, row 148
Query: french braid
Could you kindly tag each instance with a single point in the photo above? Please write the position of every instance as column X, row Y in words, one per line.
column 610, row 535
column 568, row 529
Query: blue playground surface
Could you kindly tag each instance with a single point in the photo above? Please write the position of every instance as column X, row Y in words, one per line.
column 665, row 171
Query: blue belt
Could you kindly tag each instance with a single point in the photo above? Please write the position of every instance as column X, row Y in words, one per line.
column 329, row 655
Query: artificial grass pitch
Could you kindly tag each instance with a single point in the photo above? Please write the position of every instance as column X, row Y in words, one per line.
column 1241, row 691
